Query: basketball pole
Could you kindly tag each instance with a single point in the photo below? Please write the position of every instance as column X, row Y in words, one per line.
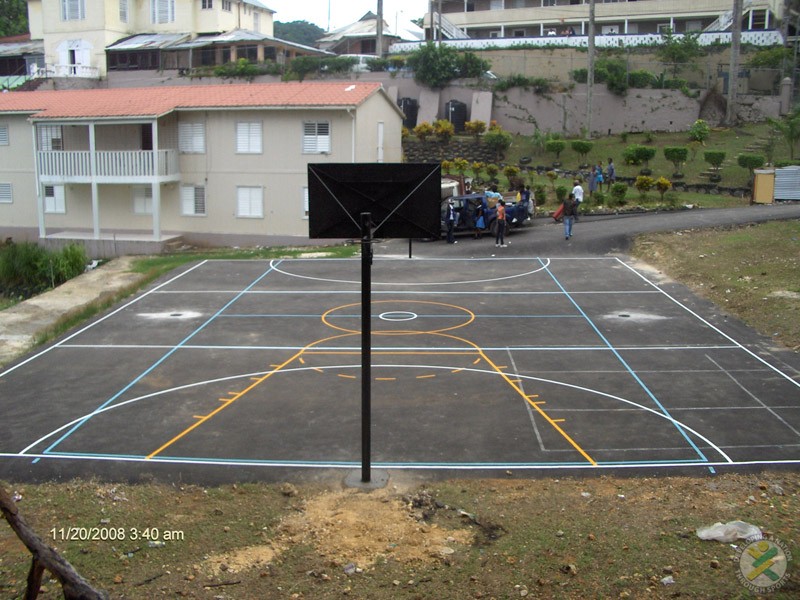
column 366, row 344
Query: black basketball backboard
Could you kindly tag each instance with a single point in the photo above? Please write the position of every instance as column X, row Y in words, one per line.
column 403, row 199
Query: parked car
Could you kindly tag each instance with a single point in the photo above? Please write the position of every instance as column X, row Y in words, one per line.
column 467, row 208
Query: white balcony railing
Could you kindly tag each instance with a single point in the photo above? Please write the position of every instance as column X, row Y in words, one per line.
column 111, row 165
column 78, row 71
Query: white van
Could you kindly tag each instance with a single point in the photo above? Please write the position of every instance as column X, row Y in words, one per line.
column 362, row 61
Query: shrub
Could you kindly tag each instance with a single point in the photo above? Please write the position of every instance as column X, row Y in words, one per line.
column 552, row 176
column 640, row 79
column 461, row 165
column 618, row 192
column 555, row 146
column 477, row 169
column 582, row 147
column 492, row 170
column 636, row 154
column 539, row 85
column 447, row 166
column 561, row 193
column 498, row 140
column 540, row 194
column 444, row 130
column 644, row 184
column 599, row 198
column 699, row 131
column 677, row 155
column 512, row 174
column 663, row 185
column 27, row 269
column 423, row 131
column 580, row 75
column 715, row 158
column 475, row 128
column 750, row 162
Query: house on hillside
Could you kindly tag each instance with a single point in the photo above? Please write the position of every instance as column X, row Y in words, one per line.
column 361, row 37
column 85, row 39
column 483, row 19
column 125, row 170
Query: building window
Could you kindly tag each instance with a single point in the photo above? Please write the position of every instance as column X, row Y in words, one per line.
column 193, row 200
column 54, row 199
column 256, row 22
column 518, row 33
column 226, row 5
column 143, row 200
column 5, row 193
column 162, row 11
column 192, row 138
column 207, row 4
column 123, row 11
column 73, row 10
column 305, row 202
column 50, row 137
column 248, row 138
column 3, row 135
column 250, row 202
column 316, row 138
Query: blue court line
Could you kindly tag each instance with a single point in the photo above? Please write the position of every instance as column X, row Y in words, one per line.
column 147, row 371
column 626, row 365
column 379, row 464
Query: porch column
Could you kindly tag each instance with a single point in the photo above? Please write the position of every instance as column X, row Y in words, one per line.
column 155, row 186
column 93, row 175
column 39, row 194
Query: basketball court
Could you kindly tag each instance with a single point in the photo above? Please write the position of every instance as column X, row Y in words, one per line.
column 480, row 365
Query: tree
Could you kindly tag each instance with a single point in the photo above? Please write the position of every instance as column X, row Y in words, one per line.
column 663, row 185
column 750, row 162
column 13, row 17
column 475, row 128
column 582, row 147
column 444, row 130
column 436, row 66
column 677, row 155
column 789, row 128
column 715, row 158
column 498, row 140
column 556, row 147
column 299, row 32
column 733, row 71
column 423, row 131
column 678, row 51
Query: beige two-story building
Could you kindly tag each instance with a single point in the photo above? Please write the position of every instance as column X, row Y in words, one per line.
column 76, row 33
column 223, row 165
column 535, row 18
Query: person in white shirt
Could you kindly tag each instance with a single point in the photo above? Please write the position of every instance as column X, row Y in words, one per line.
column 577, row 192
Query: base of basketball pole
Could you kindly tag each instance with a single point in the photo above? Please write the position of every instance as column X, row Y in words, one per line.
column 378, row 479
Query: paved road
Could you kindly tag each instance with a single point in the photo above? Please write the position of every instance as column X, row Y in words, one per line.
column 597, row 235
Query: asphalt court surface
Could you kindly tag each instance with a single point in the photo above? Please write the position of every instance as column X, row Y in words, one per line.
column 479, row 364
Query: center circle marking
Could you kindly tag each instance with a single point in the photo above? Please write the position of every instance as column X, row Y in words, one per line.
column 398, row 315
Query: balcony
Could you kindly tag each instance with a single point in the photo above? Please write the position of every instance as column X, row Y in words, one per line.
column 112, row 166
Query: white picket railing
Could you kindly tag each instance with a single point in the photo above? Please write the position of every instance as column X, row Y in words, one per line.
column 113, row 164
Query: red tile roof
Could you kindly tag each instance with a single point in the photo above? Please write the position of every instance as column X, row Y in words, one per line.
column 156, row 101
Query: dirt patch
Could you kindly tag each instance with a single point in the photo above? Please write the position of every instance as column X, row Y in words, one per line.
column 365, row 528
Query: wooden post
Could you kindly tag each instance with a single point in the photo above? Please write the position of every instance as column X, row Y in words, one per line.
column 44, row 557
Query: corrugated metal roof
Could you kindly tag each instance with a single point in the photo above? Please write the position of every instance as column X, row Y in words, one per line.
column 152, row 102
column 148, row 41
column 236, row 36
column 21, row 48
column 787, row 183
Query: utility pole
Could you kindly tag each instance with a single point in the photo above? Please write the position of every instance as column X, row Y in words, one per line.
column 590, row 73
column 733, row 74
column 379, row 31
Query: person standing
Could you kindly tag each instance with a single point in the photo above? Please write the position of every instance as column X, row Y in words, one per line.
column 450, row 218
column 598, row 173
column 569, row 214
column 577, row 193
column 592, row 181
column 611, row 173
column 500, row 224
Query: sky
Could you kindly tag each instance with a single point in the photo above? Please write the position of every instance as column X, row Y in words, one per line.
column 343, row 12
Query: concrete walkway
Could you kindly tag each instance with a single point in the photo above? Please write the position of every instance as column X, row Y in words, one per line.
column 21, row 325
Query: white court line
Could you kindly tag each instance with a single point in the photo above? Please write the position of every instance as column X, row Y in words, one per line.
column 528, row 405
column 708, row 324
column 414, row 283
column 754, row 397
column 98, row 321
column 647, row 409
